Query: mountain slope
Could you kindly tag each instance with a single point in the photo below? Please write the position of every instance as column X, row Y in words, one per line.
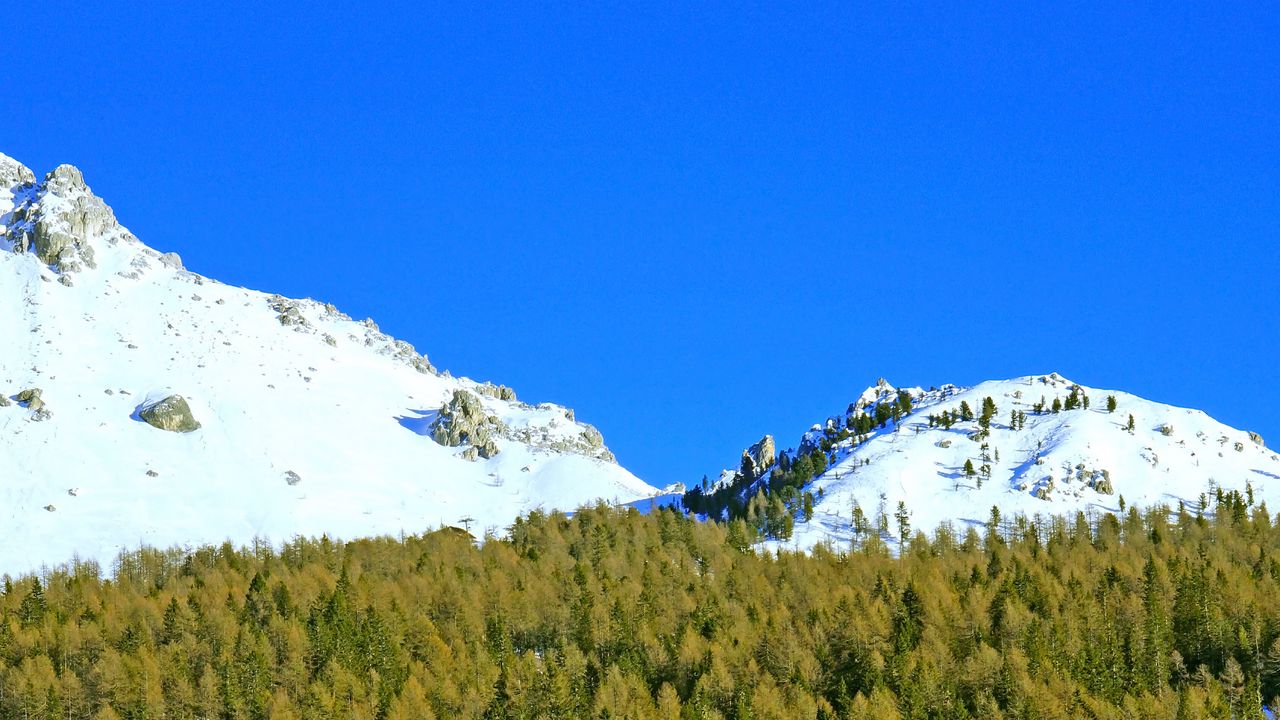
column 310, row 422
column 1051, row 463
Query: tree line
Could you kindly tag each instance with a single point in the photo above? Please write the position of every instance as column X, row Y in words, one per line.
column 613, row 614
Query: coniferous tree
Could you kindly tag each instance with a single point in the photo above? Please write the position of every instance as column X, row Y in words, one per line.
column 1111, row 403
column 904, row 523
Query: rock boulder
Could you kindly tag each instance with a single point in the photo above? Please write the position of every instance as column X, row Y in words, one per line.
column 172, row 414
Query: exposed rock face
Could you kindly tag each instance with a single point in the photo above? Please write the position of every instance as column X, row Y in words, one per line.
column 31, row 399
column 1256, row 438
column 498, row 392
column 60, row 219
column 171, row 260
column 1166, row 430
column 290, row 311
column 1044, row 488
column 63, row 229
column 172, row 414
column 14, row 173
column 29, row 395
column 1101, row 482
column 760, row 456
column 463, row 421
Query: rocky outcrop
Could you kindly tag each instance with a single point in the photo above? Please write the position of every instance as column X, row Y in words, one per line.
column 1100, row 481
column 14, row 173
column 171, row 260
column 172, row 414
column 61, row 220
column 1044, row 489
column 1256, row 438
column 31, row 399
column 760, row 457
column 1166, row 430
column 406, row 354
column 289, row 311
column 497, row 392
column 463, row 421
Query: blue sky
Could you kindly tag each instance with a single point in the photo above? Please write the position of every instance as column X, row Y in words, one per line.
column 699, row 224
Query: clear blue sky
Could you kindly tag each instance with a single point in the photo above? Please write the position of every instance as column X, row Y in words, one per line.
column 699, row 225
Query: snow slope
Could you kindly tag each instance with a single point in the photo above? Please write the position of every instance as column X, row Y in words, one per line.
column 312, row 423
column 1053, row 465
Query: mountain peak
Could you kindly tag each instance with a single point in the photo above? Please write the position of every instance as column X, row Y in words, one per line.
column 1034, row 445
column 300, row 420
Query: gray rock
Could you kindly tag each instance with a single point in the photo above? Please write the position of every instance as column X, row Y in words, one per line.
column 943, row 443
column 14, row 173
column 764, row 453
column 1257, row 439
column 1101, row 483
column 30, row 395
column 152, row 473
column 63, row 235
column 292, row 477
column 497, row 392
column 172, row 414
column 1044, row 488
column 1166, row 429
column 4, row 401
column 1239, row 446
column 463, row 421
column 171, row 260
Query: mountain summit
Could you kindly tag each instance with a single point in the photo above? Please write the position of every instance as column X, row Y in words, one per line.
column 141, row 403
column 900, row 460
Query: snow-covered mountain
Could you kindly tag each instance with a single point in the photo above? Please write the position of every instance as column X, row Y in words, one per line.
column 1031, row 459
column 309, row 422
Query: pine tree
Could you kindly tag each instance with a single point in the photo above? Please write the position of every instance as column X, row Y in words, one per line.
column 1111, row 403
column 904, row 523
column 969, row 471
column 1131, row 425
column 1057, row 405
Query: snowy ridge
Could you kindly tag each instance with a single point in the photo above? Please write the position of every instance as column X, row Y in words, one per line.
column 311, row 422
column 1051, row 463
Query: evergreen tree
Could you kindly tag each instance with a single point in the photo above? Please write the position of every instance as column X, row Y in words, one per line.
column 1111, row 403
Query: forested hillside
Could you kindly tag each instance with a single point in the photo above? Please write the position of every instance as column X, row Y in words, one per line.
column 621, row 615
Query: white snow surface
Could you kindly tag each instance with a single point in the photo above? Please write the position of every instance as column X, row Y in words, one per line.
column 350, row 418
column 924, row 467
